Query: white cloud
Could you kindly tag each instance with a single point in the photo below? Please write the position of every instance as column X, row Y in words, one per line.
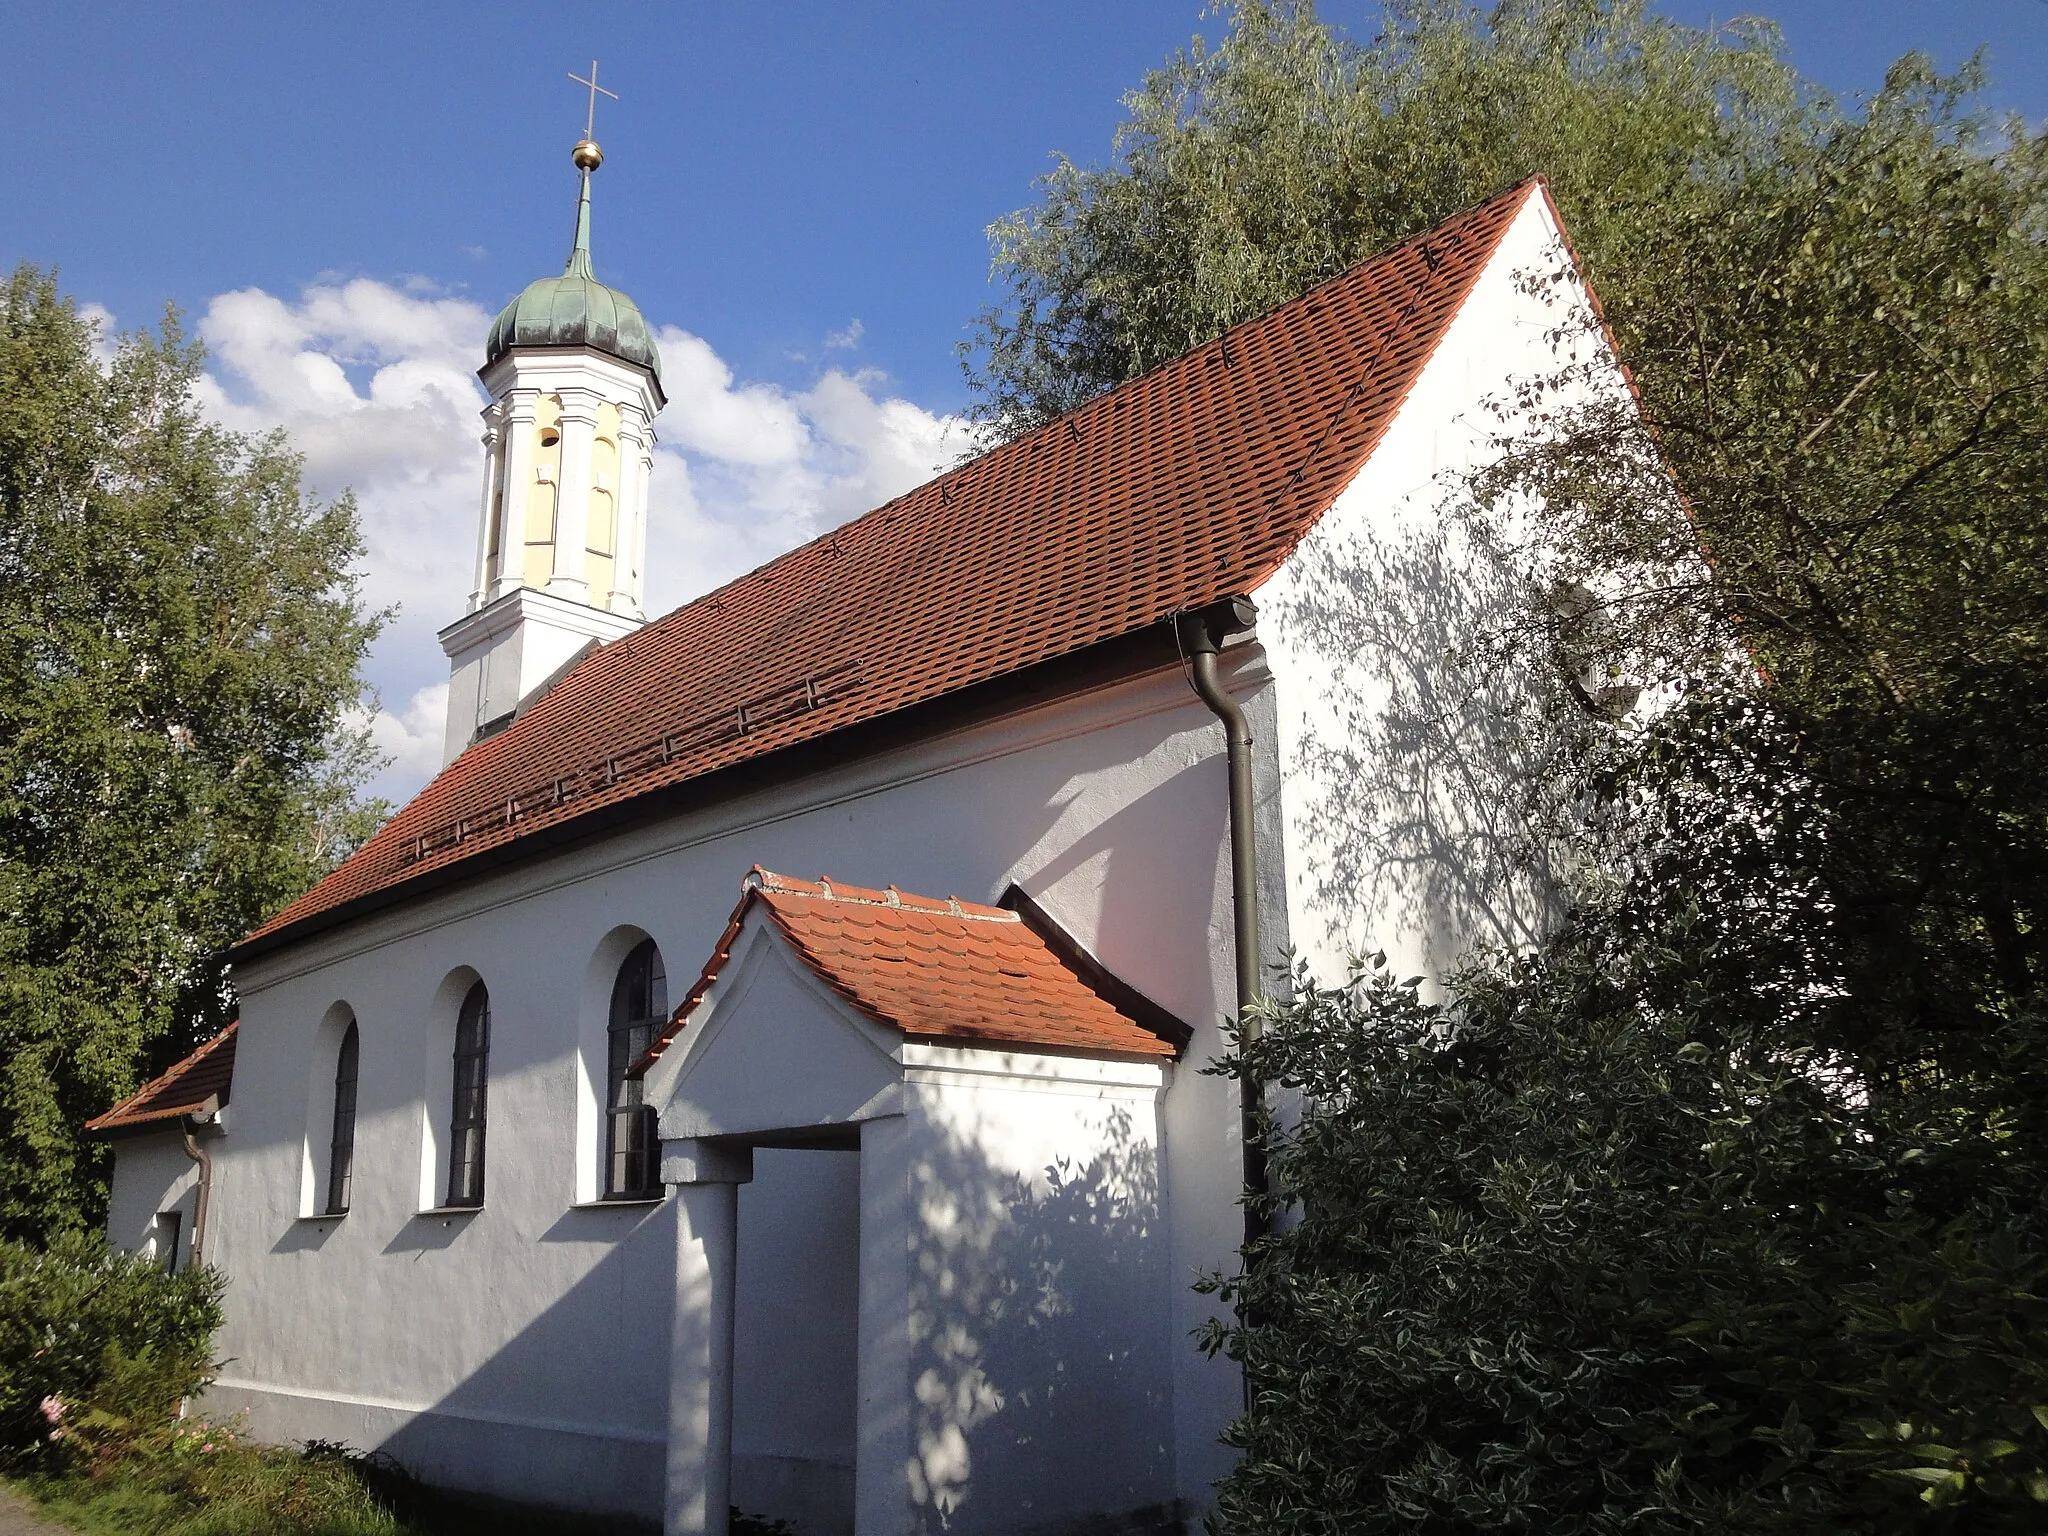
column 746, row 472
column 850, row 337
column 375, row 384
column 105, row 340
column 754, row 424
column 412, row 740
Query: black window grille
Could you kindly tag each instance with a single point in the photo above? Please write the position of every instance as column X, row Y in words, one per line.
column 639, row 1007
column 466, row 1120
column 341, row 1147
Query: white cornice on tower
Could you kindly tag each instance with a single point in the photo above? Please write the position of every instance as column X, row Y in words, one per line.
column 506, row 653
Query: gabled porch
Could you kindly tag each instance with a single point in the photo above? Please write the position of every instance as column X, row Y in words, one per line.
column 1002, row 1307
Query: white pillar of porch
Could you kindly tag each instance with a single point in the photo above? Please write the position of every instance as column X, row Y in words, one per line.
column 886, row 1437
column 699, row 1488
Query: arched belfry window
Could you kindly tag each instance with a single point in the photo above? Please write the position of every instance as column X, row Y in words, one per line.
column 341, row 1146
column 639, row 1007
column 466, row 1119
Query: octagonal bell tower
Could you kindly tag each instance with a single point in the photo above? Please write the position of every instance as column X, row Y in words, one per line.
column 575, row 384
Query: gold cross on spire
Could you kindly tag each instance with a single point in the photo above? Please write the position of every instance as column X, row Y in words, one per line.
column 596, row 90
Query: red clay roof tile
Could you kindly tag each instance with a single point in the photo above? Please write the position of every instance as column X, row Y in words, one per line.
column 950, row 971
column 207, row 1074
column 1189, row 484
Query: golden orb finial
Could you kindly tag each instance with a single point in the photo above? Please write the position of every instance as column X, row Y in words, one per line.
column 587, row 155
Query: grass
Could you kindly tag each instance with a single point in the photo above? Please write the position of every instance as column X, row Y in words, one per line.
column 228, row 1492
column 208, row 1480
column 211, row 1483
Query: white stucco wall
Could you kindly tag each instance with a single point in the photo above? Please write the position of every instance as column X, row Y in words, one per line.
column 514, row 1348
column 1402, row 746
column 151, row 1175
column 1039, row 1305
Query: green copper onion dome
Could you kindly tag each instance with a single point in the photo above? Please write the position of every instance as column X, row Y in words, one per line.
column 575, row 309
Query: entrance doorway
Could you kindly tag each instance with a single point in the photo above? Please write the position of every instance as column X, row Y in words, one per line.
column 796, row 1332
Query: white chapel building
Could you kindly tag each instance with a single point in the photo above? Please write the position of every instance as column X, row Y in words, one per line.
column 763, row 1068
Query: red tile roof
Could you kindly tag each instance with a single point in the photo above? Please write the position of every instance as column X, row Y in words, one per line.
column 199, row 1082
column 950, row 971
column 1189, row 484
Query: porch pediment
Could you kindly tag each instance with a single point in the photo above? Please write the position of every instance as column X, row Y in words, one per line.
column 769, row 1048
column 800, row 1020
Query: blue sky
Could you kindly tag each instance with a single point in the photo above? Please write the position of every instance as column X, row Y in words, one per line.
column 336, row 195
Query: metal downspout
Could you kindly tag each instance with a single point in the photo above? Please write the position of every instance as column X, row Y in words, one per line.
column 1200, row 634
column 201, row 1154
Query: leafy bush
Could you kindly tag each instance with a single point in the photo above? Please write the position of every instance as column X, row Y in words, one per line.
column 97, row 1347
column 1591, row 1249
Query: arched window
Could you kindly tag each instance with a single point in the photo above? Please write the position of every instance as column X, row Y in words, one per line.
column 466, row 1119
column 639, row 1007
column 341, row 1153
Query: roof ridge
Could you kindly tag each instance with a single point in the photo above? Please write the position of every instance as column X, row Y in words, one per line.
column 1187, row 483
column 824, row 888
column 874, row 514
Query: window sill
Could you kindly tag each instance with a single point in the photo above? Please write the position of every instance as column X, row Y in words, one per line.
column 626, row 1202
column 324, row 1216
column 446, row 1210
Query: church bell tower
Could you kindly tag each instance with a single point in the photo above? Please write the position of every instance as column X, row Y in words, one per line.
column 575, row 384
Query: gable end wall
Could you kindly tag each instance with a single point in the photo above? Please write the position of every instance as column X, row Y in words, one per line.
column 1399, row 784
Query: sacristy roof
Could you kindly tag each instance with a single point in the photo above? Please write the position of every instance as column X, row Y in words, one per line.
column 197, row 1085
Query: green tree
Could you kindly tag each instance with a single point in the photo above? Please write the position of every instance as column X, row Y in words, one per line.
column 180, row 635
column 1725, row 1207
column 1249, row 171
